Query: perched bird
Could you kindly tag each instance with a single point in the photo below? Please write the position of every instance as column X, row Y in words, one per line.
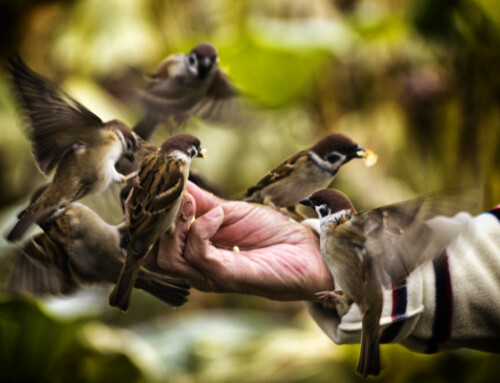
column 306, row 172
column 152, row 206
column 72, row 140
column 78, row 248
column 131, row 163
column 183, row 85
column 368, row 250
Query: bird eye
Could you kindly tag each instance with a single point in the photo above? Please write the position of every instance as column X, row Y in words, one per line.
column 192, row 59
column 333, row 157
column 192, row 152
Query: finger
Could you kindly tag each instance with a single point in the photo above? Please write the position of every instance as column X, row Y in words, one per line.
column 207, row 225
column 186, row 214
column 197, row 245
column 187, row 265
column 205, row 201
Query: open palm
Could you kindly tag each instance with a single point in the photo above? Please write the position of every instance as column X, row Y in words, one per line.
column 238, row 247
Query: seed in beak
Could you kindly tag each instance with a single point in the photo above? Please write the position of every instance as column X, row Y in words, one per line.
column 370, row 158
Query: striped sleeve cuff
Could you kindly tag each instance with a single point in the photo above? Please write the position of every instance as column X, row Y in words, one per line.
column 446, row 304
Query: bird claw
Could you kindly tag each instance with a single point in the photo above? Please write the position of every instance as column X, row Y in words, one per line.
column 330, row 298
column 130, row 179
column 333, row 300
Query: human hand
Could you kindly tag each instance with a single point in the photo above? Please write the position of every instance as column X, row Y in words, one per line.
column 278, row 258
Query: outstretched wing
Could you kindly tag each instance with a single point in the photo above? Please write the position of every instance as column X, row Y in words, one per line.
column 32, row 270
column 398, row 237
column 167, row 94
column 57, row 120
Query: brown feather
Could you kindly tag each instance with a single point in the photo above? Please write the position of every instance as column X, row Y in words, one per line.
column 278, row 173
column 57, row 120
column 221, row 87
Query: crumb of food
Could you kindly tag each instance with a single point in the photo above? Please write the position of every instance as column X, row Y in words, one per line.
column 190, row 223
column 370, row 158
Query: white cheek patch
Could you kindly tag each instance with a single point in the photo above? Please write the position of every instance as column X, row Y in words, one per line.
column 181, row 155
column 330, row 167
column 192, row 68
column 322, row 210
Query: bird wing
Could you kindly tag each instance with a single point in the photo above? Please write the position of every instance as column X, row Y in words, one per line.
column 167, row 94
column 347, row 258
column 58, row 122
column 161, row 183
column 223, row 102
column 278, row 173
column 221, row 87
column 168, row 103
column 32, row 270
column 398, row 238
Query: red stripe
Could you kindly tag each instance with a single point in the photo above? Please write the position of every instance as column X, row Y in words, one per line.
column 398, row 314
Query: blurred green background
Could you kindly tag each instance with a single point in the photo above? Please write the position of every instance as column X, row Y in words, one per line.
column 417, row 81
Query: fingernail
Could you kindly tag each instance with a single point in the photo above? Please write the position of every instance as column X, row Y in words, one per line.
column 188, row 207
column 214, row 213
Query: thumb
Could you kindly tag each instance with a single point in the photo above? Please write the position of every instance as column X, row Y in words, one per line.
column 204, row 228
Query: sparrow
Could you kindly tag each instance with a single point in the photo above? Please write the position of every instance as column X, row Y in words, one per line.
column 306, row 172
column 368, row 250
column 69, row 139
column 78, row 248
column 130, row 164
column 184, row 85
column 152, row 206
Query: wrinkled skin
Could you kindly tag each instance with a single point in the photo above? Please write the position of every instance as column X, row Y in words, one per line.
column 278, row 258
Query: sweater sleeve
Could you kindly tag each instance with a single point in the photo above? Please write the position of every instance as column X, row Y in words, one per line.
column 450, row 303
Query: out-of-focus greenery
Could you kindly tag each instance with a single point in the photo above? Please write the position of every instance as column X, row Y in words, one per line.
column 215, row 346
column 38, row 348
column 417, row 81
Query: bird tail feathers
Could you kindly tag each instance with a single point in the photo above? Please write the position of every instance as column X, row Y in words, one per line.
column 122, row 293
column 172, row 291
column 369, row 356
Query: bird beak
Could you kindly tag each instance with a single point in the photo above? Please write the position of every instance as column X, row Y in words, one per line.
column 360, row 152
column 306, row 202
column 369, row 156
column 202, row 153
column 207, row 62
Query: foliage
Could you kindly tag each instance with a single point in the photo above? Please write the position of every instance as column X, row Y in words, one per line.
column 38, row 348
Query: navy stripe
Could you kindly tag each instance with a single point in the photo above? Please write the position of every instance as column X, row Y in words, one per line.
column 441, row 329
column 402, row 299
column 399, row 306
column 390, row 333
